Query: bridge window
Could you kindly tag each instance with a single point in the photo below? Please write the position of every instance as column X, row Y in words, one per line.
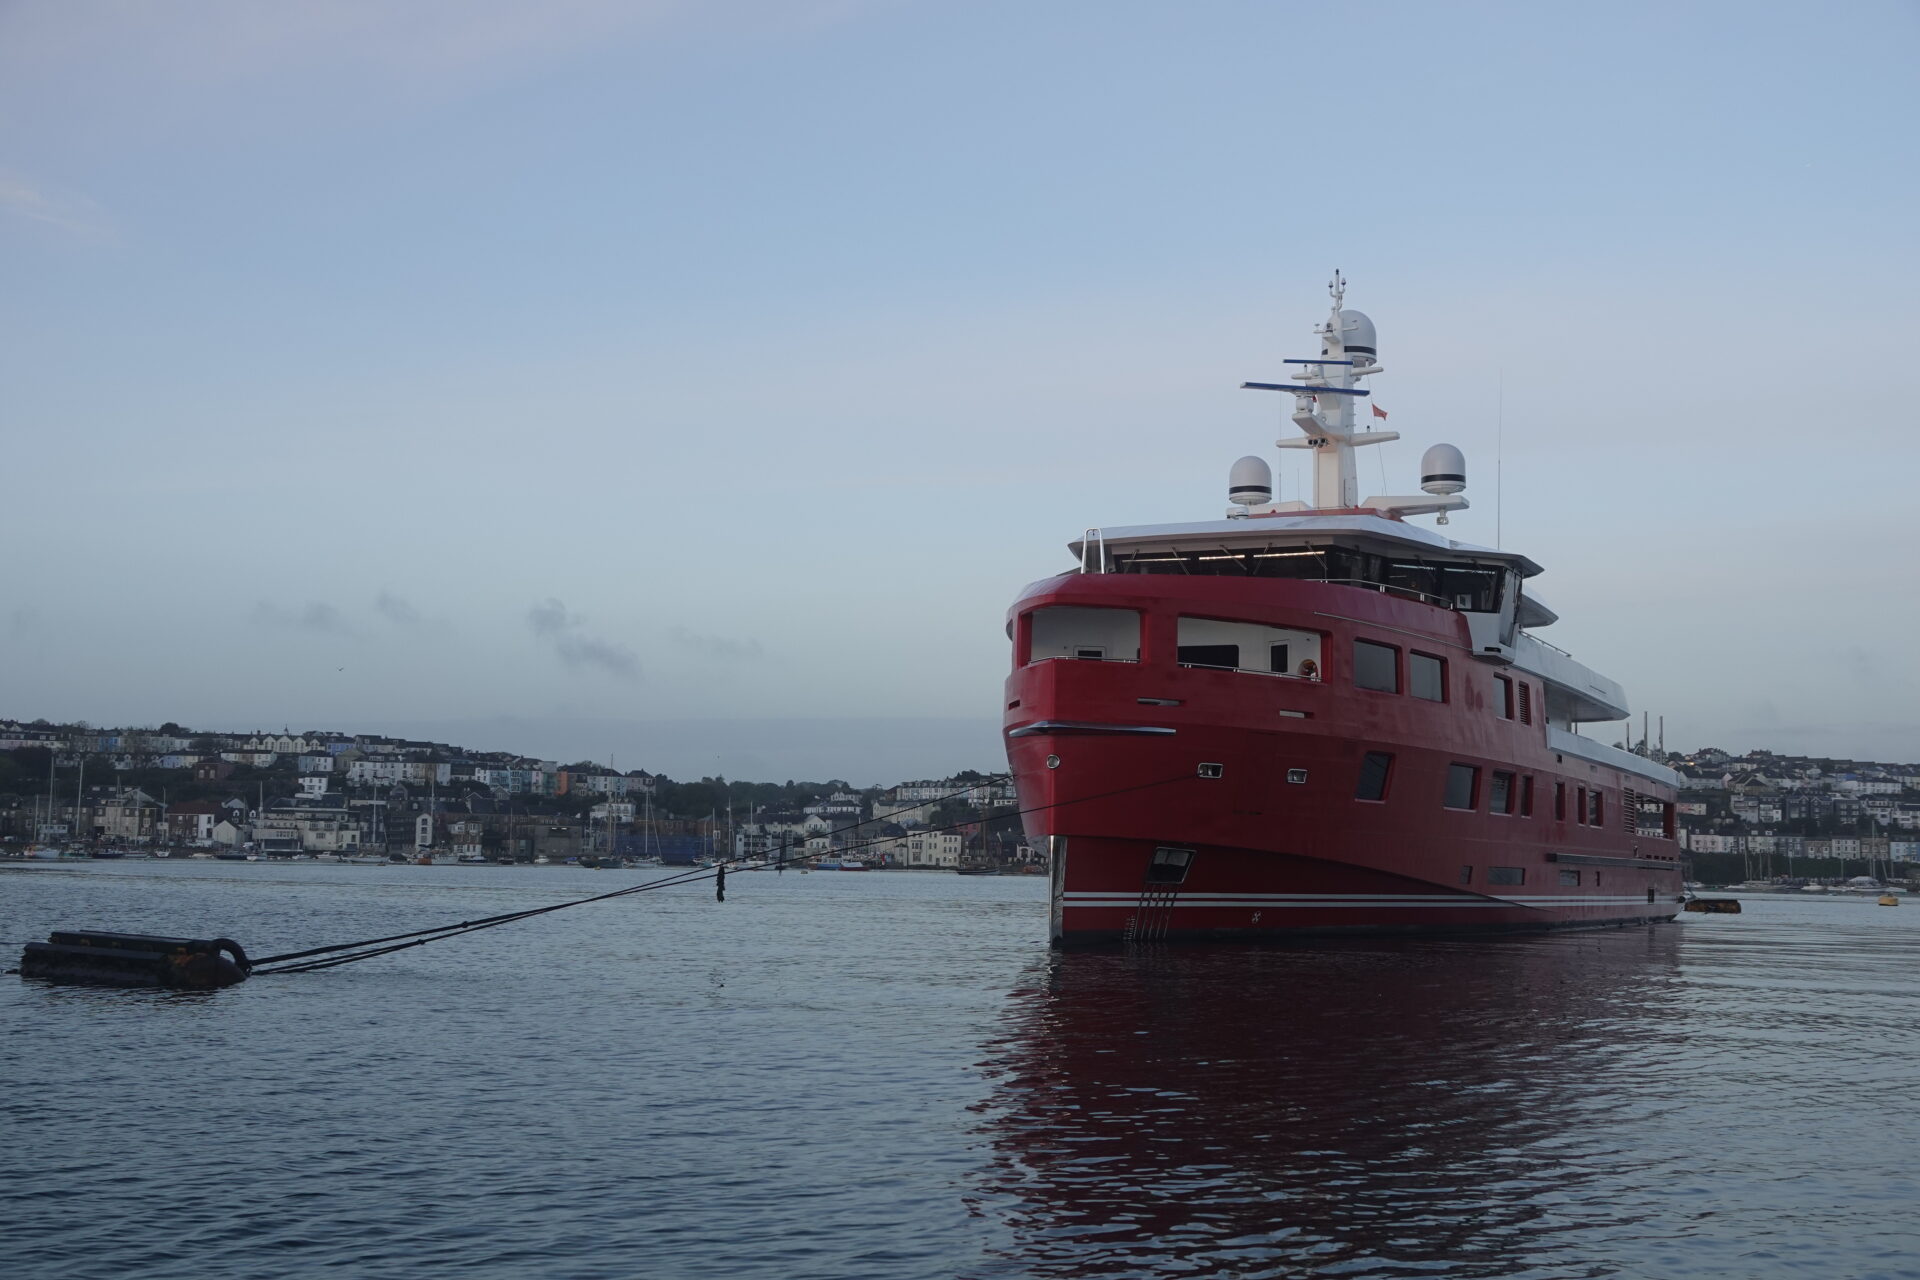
column 1376, row 666
column 1463, row 782
column 1072, row 631
column 1316, row 564
column 1427, row 677
column 1247, row 646
column 1374, row 768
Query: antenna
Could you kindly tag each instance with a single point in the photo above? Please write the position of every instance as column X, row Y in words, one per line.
column 1499, row 460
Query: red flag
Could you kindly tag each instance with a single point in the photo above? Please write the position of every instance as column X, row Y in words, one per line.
column 1378, row 412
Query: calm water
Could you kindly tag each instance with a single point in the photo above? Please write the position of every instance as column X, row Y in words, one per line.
column 888, row 1075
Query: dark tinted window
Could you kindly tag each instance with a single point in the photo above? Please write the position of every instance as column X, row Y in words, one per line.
column 1462, row 779
column 1526, row 796
column 1569, row 877
column 1376, row 666
column 1374, row 768
column 1500, row 797
column 1427, row 677
column 1210, row 655
column 1277, row 658
column 1506, row 875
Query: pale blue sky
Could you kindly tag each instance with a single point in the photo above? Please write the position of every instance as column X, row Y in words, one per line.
column 558, row 368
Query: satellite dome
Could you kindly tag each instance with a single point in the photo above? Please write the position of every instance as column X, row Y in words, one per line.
column 1443, row 469
column 1250, row 483
column 1356, row 334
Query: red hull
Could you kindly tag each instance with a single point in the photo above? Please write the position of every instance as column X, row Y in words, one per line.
column 1278, row 844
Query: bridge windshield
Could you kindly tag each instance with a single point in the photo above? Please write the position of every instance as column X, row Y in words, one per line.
column 1452, row 584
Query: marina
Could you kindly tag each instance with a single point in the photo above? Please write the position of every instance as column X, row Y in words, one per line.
column 922, row 1089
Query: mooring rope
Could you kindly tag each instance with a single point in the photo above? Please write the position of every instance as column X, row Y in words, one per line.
column 420, row 937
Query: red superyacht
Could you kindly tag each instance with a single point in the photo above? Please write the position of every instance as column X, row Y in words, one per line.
column 1322, row 718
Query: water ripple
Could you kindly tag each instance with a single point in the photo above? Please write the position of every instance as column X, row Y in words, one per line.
column 888, row 1076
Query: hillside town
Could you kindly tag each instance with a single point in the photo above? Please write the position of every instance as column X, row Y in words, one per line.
column 1753, row 816
column 79, row 790
column 1773, row 816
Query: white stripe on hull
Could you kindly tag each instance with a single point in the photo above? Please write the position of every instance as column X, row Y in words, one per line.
column 1315, row 901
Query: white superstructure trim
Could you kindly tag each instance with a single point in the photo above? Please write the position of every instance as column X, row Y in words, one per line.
column 1573, row 744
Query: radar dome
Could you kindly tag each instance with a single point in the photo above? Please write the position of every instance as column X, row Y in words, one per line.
column 1250, row 483
column 1443, row 469
column 1356, row 334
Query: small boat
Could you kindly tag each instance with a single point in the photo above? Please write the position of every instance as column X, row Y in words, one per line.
column 1887, row 900
column 471, row 860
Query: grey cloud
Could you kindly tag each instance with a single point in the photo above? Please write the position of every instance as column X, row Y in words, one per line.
column 577, row 649
column 395, row 609
column 722, row 647
column 316, row 617
column 25, row 197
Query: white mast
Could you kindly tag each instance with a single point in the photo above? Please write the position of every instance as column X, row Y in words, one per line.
column 1325, row 401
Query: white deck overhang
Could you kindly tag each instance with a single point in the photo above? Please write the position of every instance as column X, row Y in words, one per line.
column 1368, row 531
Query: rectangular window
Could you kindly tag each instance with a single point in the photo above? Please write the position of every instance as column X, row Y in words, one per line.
column 1376, row 666
column 1596, row 810
column 1427, row 677
column 1570, row 877
column 1526, row 703
column 1466, row 875
column 1559, row 802
column 1503, row 697
column 1526, row 796
column 1666, row 820
column 1506, row 875
column 1500, row 795
column 1209, row 655
column 1463, row 781
column 1374, row 768
column 1246, row 646
column 1580, row 806
column 1074, row 631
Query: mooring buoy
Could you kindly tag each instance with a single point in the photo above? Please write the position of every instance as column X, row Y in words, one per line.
column 98, row 959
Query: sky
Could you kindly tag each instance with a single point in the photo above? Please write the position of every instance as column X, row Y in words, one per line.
column 695, row 384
